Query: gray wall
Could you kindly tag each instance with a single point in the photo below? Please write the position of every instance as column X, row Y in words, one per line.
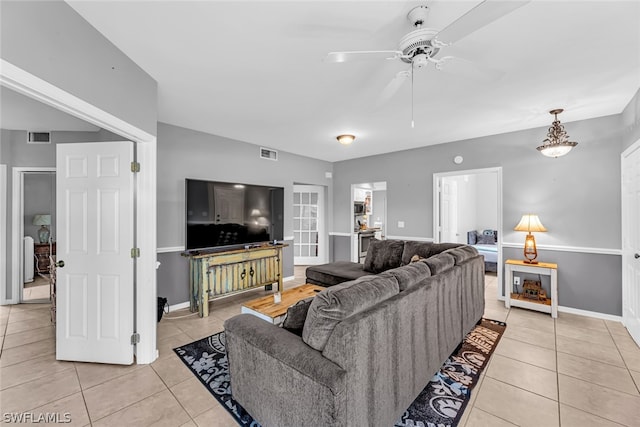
column 50, row 40
column 577, row 197
column 15, row 152
column 39, row 198
column 185, row 153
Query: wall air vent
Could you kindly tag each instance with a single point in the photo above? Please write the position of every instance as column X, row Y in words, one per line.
column 266, row 153
column 38, row 137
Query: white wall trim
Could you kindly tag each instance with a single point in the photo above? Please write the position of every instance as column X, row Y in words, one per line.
column 170, row 249
column 146, row 308
column 179, row 306
column 288, row 278
column 417, row 239
column 588, row 313
column 3, row 235
column 630, row 149
column 559, row 248
column 339, row 234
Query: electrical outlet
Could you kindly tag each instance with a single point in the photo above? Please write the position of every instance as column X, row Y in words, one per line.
column 516, row 280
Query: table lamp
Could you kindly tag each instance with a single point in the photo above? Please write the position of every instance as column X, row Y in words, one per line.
column 529, row 223
column 43, row 221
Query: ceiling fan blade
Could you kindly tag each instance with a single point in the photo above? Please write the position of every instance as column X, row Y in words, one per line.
column 392, row 87
column 481, row 15
column 362, row 55
column 468, row 69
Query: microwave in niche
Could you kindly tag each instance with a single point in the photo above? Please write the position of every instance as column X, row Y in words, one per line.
column 358, row 208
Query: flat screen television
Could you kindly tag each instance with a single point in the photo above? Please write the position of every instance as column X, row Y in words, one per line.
column 227, row 214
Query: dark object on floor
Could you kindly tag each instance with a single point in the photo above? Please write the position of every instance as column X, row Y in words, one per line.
column 162, row 303
column 441, row 402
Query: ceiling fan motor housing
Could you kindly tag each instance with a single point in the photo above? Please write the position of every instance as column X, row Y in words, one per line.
column 418, row 42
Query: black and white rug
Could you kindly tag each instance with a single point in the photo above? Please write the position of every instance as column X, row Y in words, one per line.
column 441, row 403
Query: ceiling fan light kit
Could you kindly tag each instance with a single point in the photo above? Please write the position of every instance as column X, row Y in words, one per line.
column 557, row 143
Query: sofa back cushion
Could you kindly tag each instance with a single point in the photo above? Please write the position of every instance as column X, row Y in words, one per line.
column 440, row 263
column 462, row 253
column 423, row 249
column 338, row 302
column 409, row 275
column 383, row 255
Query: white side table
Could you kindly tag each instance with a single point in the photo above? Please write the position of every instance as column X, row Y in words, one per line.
column 518, row 300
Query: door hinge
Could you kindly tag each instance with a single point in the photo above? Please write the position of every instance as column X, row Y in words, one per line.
column 135, row 167
column 135, row 252
column 135, row 338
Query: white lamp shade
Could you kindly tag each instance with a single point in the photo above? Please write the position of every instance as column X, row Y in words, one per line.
column 529, row 223
column 42, row 219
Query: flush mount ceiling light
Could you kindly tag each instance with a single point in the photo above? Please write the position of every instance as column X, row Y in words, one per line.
column 557, row 142
column 345, row 139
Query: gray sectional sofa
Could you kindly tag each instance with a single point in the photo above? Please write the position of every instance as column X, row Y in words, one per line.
column 369, row 345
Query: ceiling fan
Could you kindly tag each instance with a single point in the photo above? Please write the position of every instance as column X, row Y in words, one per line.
column 421, row 46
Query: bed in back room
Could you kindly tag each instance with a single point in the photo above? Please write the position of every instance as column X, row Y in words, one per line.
column 486, row 243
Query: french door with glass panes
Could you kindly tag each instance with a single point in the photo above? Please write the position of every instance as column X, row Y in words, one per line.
column 310, row 245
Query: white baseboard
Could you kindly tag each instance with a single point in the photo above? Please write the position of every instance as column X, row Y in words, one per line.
column 288, row 279
column 179, row 306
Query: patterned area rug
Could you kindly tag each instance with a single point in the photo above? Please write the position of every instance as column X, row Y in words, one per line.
column 441, row 403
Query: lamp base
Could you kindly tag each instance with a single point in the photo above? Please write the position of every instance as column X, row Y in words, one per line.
column 530, row 261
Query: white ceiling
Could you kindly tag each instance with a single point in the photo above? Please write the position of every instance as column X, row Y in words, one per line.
column 19, row 112
column 254, row 71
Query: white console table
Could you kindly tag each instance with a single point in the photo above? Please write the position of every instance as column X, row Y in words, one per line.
column 550, row 305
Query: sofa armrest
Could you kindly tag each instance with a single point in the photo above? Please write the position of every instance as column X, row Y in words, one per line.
column 278, row 378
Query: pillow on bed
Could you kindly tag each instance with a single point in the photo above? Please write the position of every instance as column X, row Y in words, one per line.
column 484, row 239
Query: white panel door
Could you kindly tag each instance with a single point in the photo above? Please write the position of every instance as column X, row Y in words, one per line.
column 309, row 243
column 631, row 243
column 95, row 293
column 449, row 210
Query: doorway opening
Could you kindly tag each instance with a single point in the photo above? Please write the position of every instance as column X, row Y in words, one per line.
column 39, row 231
column 468, row 209
column 368, row 217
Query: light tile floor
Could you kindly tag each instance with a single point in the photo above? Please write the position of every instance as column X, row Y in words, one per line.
column 574, row 371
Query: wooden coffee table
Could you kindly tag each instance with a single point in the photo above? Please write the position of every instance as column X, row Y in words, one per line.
column 272, row 312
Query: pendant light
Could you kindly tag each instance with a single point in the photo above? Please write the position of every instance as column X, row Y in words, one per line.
column 557, row 142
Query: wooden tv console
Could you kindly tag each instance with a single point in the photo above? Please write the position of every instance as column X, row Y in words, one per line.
column 216, row 274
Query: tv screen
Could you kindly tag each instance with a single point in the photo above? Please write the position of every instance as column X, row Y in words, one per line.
column 224, row 214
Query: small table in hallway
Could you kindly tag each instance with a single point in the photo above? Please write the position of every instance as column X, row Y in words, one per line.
column 266, row 309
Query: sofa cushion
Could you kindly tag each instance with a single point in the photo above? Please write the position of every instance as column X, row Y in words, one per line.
column 334, row 273
column 383, row 255
column 296, row 315
column 462, row 253
column 423, row 249
column 409, row 275
column 440, row 263
column 330, row 307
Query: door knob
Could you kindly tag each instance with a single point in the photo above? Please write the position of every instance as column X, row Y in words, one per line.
column 636, row 256
column 60, row 264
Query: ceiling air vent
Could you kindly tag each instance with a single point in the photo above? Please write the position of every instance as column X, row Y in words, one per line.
column 266, row 153
column 38, row 137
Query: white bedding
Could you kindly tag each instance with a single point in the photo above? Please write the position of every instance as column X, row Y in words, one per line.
column 490, row 252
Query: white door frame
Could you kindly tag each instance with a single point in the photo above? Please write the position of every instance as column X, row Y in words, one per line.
column 3, row 235
column 34, row 87
column 437, row 178
column 625, row 227
column 17, row 228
